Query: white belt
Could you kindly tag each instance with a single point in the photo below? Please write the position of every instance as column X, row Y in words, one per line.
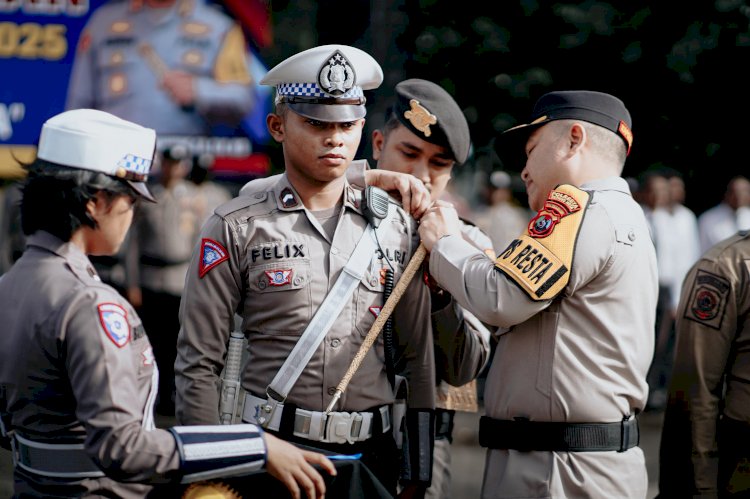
column 335, row 427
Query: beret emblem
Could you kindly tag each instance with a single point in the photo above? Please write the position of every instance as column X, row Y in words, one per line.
column 420, row 117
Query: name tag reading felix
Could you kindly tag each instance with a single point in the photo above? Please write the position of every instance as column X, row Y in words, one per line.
column 539, row 260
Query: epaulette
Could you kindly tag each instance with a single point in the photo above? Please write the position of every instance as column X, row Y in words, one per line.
column 239, row 203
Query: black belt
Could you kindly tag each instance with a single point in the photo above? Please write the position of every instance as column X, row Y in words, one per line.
column 563, row 437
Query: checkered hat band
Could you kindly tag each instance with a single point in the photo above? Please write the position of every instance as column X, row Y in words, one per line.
column 134, row 164
column 313, row 90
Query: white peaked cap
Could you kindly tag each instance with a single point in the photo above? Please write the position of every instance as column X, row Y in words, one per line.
column 326, row 83
column 101, row 142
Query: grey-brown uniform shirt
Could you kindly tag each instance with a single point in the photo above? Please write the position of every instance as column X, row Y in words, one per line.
column 582, row 357
column 711, row 374
column 75, row 372
column 277, row 265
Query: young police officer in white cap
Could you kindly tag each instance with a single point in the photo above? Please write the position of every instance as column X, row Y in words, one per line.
column 578, row 291
column 77, row 373
column 273, row 255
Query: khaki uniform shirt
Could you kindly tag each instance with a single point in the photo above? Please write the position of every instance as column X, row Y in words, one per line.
column 582, row 357
column 75, row 375
column 163, row 238
column 268, row 232
column 711, row 374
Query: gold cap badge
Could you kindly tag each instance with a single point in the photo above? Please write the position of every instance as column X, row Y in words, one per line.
column 420, row 117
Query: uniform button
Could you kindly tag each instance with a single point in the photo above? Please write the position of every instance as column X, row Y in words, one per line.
column 298, row 280
column 335, row 342
column 262, row 284
column 331, row 390
column 259, row 195
column 334, row 251
column 373, row 281
column 631, row 235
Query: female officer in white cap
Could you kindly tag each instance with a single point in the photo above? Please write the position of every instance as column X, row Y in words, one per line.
column 77, row 373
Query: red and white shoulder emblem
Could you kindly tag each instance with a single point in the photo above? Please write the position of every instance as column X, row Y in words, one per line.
column 212, row 254
column 114, row 321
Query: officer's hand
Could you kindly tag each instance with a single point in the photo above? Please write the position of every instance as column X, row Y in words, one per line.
column 440, row 220
column 293, row 467
column 415, row 197
column 179, row 86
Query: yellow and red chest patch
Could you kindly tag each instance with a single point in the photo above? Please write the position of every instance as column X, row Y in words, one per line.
column 539, row 260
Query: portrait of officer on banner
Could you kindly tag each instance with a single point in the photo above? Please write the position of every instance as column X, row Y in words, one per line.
column 181, row 67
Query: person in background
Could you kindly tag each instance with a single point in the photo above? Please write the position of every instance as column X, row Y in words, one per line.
column 429, row 152
column 727, row 217
column 705, row 440
column 209, row 193
column 161, row 242
column 77, row 376
column 576, row 297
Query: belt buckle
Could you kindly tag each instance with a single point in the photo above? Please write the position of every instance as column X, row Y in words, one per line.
column 339, row 427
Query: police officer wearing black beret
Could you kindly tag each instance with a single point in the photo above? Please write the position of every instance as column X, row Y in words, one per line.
column 426, row 135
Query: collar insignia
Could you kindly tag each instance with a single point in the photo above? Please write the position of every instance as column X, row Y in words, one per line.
column 336, row 76
column 288, row 199
column 420, row 117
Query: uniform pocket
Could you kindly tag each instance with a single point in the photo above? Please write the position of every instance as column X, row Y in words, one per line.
column 279, row 297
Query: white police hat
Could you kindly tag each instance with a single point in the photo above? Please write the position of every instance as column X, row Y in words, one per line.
column 326, row 83
column 97, row 141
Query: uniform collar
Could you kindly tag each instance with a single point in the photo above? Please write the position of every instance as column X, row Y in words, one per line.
column 607, row 184
column 72, row 254
column 287, row 198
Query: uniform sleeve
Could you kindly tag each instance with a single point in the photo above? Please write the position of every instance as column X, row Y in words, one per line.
column 462, row 344
column 226, row 97
column 467, row 274
column 212, row 292
column 102, row 365
column 706, row 327
column 414, row 335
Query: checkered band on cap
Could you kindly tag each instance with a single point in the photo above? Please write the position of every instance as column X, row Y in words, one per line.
column 312, row 90
column 135, row 164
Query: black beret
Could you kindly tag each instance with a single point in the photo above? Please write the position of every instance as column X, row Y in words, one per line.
column 430, row 112
column 598, row 108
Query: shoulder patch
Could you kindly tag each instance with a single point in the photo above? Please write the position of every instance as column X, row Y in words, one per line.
column 212, row 254
column 708, row 299
column 114, row 321
column 539, row 261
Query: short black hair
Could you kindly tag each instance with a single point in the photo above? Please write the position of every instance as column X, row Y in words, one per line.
column 54, row 197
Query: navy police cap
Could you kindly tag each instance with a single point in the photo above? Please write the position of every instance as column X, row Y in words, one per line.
column 431, row 114
column 598, row 108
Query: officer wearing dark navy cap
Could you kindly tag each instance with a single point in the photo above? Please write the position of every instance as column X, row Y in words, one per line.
column 576, row 293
